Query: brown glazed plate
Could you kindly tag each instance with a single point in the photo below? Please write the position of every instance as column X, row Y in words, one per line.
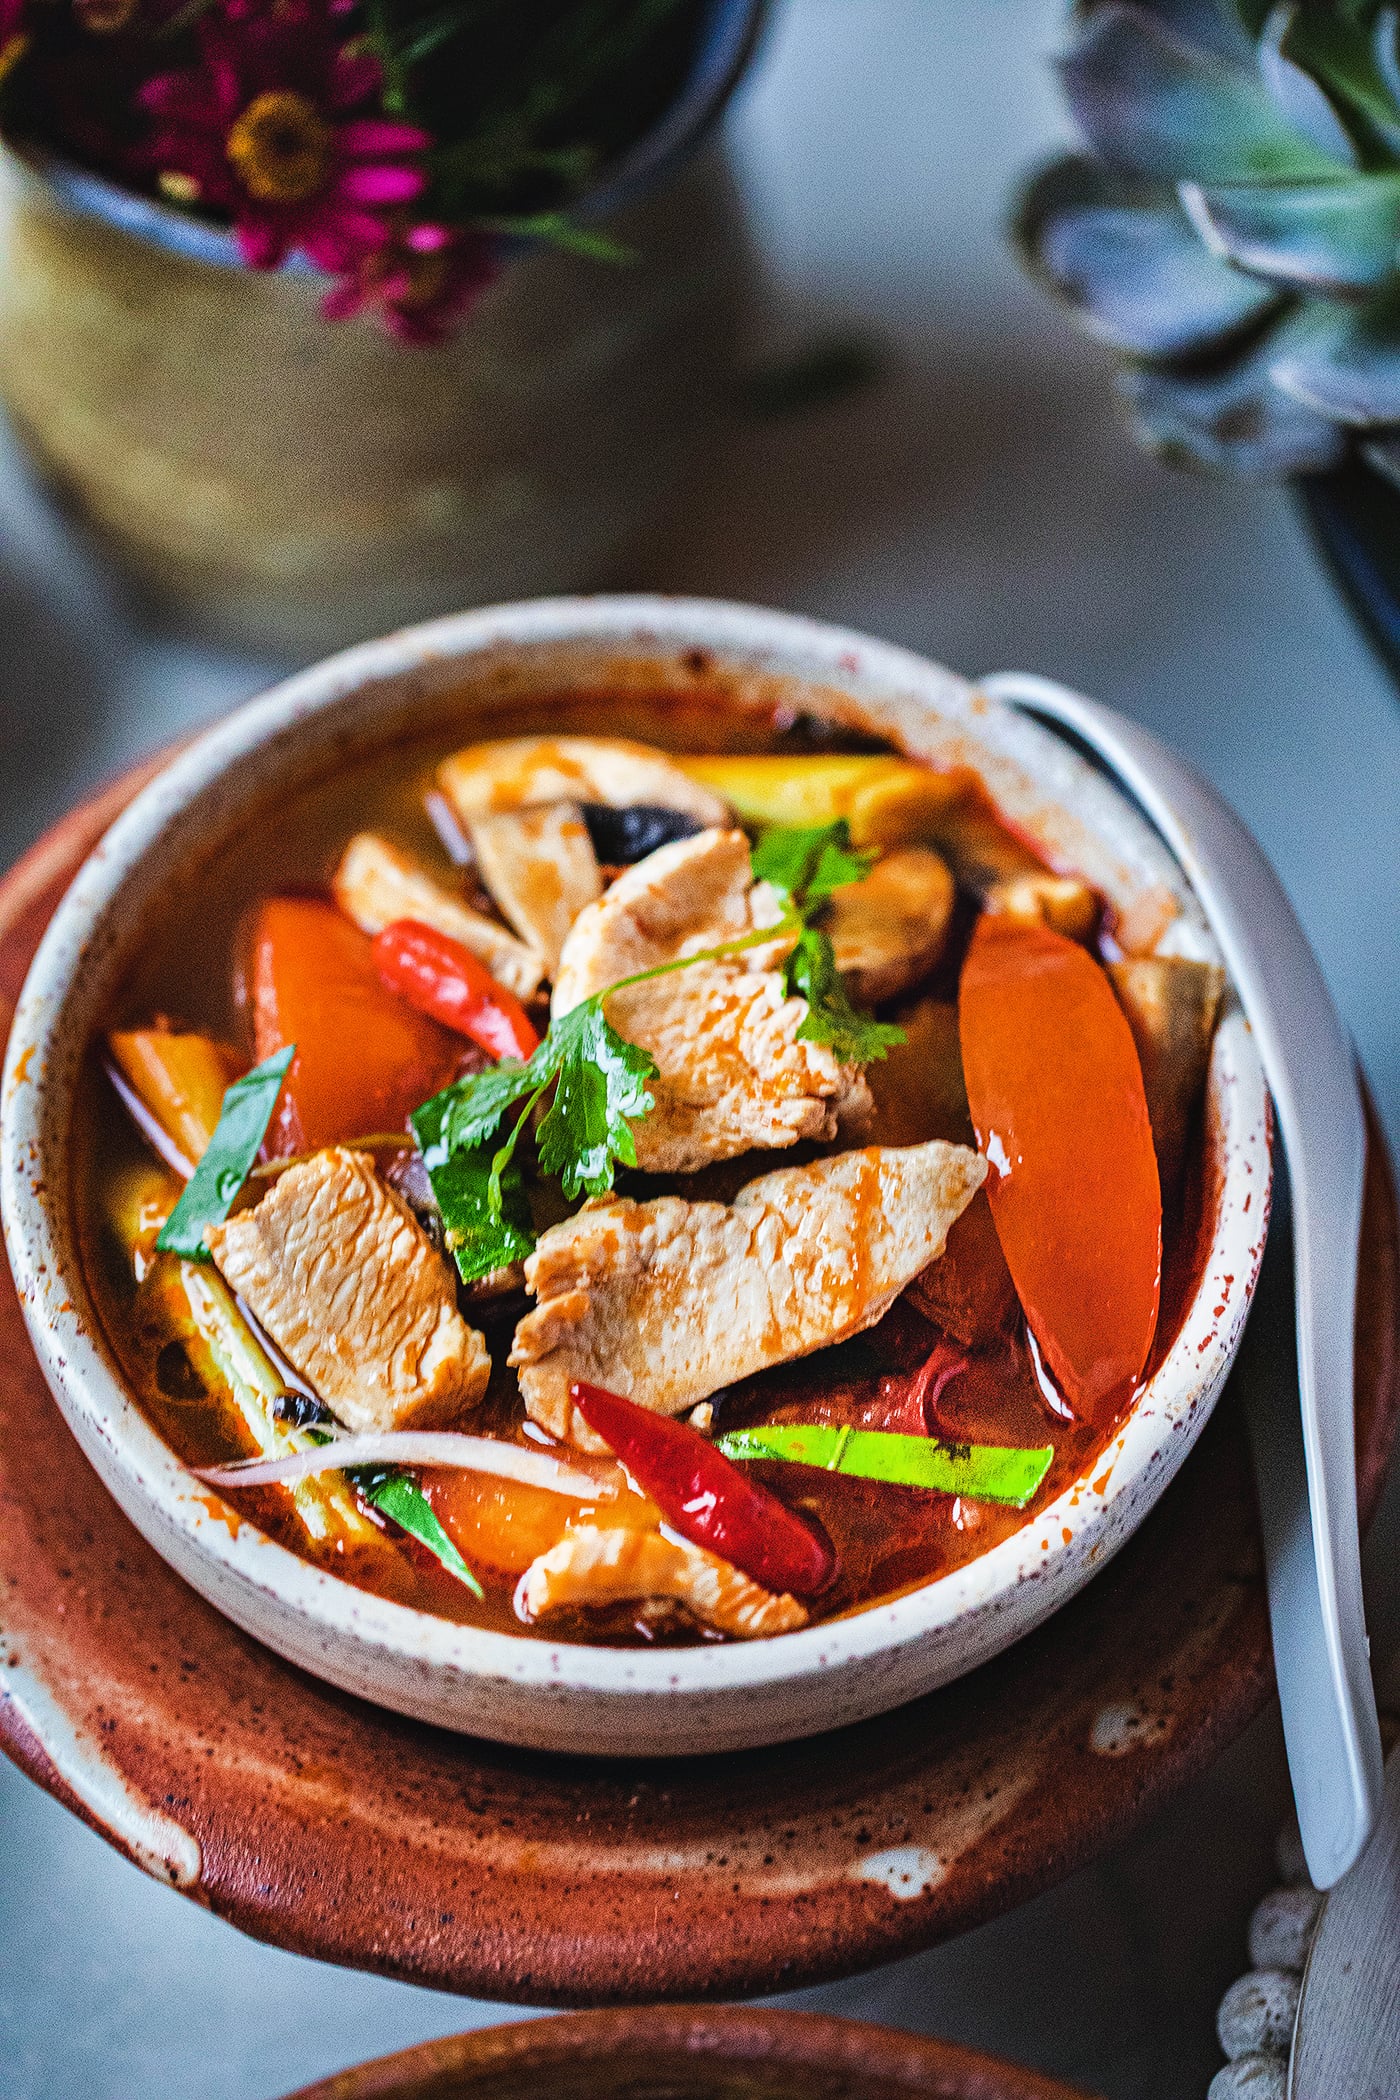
column 687, row 2052
column 345, row 1832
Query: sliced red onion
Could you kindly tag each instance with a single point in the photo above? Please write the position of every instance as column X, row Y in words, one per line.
column 420, row 1447
column 154, row 1132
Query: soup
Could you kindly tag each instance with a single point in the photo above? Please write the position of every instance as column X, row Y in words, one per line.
column 664, row 1187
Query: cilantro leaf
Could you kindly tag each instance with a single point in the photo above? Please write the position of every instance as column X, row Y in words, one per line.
column 475, row 1106
column 855, row 1038
column 808, row 861
column 484, row 1213
column 601, row 1082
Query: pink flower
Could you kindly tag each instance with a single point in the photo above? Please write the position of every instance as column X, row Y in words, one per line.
column 14, row 42
column 424, row 280
column 272, row 127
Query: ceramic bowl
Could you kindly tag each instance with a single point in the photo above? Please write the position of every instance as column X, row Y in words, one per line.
column 687, row 2052
column 526, row 1690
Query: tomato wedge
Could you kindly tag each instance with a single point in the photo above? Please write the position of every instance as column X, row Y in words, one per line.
column 1056, row 1094
column 364, row 1058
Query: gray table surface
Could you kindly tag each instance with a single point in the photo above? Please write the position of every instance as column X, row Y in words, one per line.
column 981, row 504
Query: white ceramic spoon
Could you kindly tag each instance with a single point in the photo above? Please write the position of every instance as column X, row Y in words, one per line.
column 1307, row 1496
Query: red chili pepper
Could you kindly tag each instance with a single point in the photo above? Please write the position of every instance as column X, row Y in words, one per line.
column 707, row 1498
column 442, row 978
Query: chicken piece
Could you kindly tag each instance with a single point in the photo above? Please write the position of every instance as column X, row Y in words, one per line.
column 517, row 772
column 667, row 1301
column 338, row 1270
column 540, row 867
column 592, row 1566
column 376, row 884
column 1062, row 902
column 732, row 1073
column 888, row 931
column 1171, row 1005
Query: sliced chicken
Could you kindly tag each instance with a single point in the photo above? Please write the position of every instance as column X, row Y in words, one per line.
column 732, row 1072
column 377, row 883
column 888, row 931
column 540, row 867
column 518, row 771
column 338, row 1270
column 593, row 1566
column 667, row 1301
column 1171, row 1005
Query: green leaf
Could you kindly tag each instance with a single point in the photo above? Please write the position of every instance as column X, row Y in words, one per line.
column 855, row 1038
column 602, row 1081
column 470, row 1111
column 396, row 1496
column 982, row 1472
column 808, row 862
column 484, row 1213
column 209, row 1194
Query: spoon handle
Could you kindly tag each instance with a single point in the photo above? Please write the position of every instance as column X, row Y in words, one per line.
column 1307, row 1494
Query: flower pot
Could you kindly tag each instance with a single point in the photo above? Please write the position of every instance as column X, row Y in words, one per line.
column 284, row 480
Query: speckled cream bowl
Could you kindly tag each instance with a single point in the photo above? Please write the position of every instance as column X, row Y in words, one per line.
column 569, row 1696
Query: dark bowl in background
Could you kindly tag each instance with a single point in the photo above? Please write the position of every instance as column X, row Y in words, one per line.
column 687, row 2052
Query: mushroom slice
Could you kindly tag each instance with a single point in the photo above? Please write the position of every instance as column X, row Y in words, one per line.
column 667, row 1301
column 889, row 930
column 595, row 1566
column 540, row 867
column 377, row 883
column 517, row 772
column 1171, row 1005
column 1062, row 902
column 338, row 1271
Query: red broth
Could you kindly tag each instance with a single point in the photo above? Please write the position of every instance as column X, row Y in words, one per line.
column 906, row 1374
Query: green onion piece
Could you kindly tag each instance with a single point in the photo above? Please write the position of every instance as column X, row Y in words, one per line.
column 396, row 1496
column 982, row 1472
column 209, row 1194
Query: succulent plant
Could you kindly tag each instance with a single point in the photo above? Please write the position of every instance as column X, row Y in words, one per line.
column 1234, row 231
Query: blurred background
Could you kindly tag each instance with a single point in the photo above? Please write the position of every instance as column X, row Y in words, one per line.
column 975, row 497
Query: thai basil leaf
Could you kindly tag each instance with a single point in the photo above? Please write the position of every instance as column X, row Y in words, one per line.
column 209, row 1194
column 396, row 1496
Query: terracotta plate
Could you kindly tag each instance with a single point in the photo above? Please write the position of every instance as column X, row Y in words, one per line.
column 346, row 1833
column 683, row 2053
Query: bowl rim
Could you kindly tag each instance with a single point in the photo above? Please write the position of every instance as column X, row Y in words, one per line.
column 1138, row 1464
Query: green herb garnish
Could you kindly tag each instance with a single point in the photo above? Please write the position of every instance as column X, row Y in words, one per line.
column 853, row 1036
column 807, row 863
column 209, row 1194
column 395, row 1495
column 479, row 1238
column 982, row 1472
column 599, row 1079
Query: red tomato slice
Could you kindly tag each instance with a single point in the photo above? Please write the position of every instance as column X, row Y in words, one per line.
column 1056, row 1094
column 364, row 1058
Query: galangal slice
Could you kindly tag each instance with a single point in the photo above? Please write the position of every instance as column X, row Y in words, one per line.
column 593, row 1566
column 339, row 1272
column 732, row 1073
column 667, row 1301
column 540, row 868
